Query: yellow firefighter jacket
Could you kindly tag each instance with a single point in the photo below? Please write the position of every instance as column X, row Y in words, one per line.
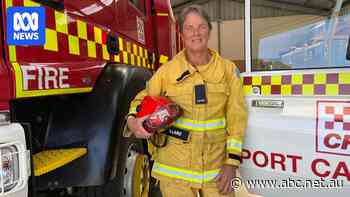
column 216, row 128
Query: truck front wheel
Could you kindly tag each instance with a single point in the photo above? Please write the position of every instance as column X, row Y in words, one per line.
column 134, row 171
column 132, row 177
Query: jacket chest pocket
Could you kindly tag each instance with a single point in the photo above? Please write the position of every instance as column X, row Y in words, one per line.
column 181, row 94
column 217, row 93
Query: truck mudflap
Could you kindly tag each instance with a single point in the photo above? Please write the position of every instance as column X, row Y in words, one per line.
column 96, row 123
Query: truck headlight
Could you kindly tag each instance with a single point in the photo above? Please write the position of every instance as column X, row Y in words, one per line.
column 9, row 168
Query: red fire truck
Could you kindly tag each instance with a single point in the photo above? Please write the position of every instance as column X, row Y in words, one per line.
column 63, row 100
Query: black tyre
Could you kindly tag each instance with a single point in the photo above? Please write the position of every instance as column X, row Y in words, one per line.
column 133, row 169
column 132, row 177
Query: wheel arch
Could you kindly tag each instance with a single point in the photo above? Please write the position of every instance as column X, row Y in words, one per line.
column 95, row 121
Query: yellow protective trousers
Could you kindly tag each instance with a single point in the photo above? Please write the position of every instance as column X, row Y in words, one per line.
column 169, row 189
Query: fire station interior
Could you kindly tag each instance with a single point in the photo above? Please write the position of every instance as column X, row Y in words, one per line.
column 302, row 22
column 269, row 18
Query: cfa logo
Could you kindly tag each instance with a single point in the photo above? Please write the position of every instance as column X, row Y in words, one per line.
column 26, row 26
column 333, row 127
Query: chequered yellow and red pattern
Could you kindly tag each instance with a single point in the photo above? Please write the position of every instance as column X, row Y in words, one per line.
column 71, row 41
column 304, row 84
column 68, row 35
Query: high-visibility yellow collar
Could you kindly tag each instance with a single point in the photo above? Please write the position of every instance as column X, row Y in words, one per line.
column 181, row 69
column 211, row 72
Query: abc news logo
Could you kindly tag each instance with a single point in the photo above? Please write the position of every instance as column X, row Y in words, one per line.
column 26, row 25
column 19, row 21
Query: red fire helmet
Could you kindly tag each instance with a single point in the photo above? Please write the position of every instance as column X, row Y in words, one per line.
column 163, row 112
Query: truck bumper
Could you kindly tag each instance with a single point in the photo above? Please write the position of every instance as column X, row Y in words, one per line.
column 14, row 161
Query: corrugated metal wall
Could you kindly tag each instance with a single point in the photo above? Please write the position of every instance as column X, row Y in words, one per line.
column 230, row 10
column 233, row 10
column 260, row 12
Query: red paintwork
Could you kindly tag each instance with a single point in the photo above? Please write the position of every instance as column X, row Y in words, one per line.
column 161, row 6
column 162, row 28
column 118, row 17
column 5, row 85
column 163, row 35
column 149, row 24
column 127, row 19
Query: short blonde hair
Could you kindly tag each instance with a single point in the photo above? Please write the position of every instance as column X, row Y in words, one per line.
column 196, row 9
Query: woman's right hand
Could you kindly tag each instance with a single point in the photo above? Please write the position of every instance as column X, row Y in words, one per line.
column 135, row 126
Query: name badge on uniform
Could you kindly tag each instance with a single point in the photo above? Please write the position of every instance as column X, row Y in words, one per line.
column 200, row 94
column 177, row 133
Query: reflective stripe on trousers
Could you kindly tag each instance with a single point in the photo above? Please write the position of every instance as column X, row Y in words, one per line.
column 184, row 174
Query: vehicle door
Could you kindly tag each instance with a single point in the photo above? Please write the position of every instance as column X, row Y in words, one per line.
column 298, row 95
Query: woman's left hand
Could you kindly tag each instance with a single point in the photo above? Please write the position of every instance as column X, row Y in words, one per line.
column 224, row 178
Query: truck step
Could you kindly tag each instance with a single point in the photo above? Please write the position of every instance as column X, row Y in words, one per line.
column 49, row 160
